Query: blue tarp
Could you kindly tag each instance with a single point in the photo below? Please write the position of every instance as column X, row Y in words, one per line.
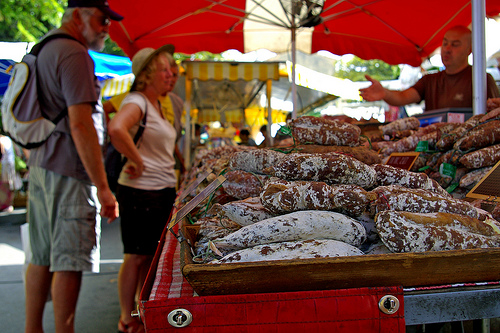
column 4, row 76
column 106, row 67
column 109, row 66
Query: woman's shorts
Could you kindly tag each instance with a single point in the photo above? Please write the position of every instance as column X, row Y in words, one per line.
column 143, row 216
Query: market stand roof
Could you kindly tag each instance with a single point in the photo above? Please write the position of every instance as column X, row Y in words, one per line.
column 224, row 90
column 394, row 31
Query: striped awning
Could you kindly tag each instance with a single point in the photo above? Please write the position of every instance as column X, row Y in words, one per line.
column 254, row 116
column 232, row 71
column 116, row 86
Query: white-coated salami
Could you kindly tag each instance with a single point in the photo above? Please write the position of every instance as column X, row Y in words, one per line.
column 242, row 184
column 308, row 249
column 472, row 177
column 243, row 212
column 389, row 175
column 254, row 160
column 480, row 158
column 331, row 168
column 281, row 196
column 408, row 123
column 399, row 198
column 322, row 131
column 295, row 226
column 420, row 232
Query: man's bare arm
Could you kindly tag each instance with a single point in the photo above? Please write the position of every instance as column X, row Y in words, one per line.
column 89, row 150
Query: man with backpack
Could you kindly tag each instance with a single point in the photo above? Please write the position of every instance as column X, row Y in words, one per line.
column 67, row 181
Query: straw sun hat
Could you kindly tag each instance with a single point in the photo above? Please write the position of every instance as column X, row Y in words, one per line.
column 142, row 58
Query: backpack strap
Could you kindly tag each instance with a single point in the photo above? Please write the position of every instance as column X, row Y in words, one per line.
column 38, row 46
column 35, row 50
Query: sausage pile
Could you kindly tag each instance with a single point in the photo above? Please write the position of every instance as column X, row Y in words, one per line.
column 303, row 203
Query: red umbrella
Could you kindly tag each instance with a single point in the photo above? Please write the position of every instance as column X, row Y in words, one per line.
column 394, row 31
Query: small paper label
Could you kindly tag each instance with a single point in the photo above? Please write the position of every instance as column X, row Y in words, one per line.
column 447, row 169
column 422, row 146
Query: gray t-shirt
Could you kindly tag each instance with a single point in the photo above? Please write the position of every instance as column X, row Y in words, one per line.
column 66, row 77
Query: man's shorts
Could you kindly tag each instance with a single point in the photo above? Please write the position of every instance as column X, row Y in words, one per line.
column 63, row 221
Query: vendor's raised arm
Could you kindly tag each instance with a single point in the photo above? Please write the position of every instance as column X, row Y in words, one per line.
column 377, row 92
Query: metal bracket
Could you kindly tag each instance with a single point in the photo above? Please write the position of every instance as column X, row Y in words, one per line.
column 180, row 318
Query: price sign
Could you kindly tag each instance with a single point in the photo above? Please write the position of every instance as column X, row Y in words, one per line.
column 194, row 184
column 196, row 201
column 402, row 160
column 487, row 188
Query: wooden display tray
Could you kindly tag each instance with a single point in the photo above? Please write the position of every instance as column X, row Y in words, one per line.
column 382, row 270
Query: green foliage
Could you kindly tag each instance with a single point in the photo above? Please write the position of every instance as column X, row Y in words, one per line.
column 356, row 69
column 29, row 20
column 204, row 55
column 110, row 47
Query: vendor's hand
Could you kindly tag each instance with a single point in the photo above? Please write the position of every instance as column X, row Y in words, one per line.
column 375, row 92
column 492, row 103
column 134, row 170
column 492, row 109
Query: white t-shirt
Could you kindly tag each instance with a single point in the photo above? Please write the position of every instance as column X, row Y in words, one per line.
column 156, row 148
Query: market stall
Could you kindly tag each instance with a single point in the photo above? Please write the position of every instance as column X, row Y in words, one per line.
column 440, row 281
column 389, row 30
column 222, row 77
column 385, row 291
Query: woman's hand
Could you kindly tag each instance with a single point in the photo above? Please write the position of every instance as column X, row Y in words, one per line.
column 134, row 170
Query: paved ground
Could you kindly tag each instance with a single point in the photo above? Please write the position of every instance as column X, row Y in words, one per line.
column 98, row 309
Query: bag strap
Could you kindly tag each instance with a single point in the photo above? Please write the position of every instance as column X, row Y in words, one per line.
column 142, row 125
column 38, row 46
column 35, row 50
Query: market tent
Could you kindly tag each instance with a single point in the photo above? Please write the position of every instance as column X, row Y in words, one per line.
column 380, row 29
column 214, row 94
column 391, row 30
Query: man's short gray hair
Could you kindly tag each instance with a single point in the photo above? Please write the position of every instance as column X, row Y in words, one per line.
column 68, row 14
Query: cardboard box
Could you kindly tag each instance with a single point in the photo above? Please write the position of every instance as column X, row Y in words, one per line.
column 445, row 115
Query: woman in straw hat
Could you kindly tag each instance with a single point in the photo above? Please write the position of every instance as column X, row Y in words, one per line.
column 146, row 186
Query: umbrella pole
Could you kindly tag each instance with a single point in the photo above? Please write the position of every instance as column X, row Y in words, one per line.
column 187, row 134
column 479, row 58
column 294, row 86
column 269, row 112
